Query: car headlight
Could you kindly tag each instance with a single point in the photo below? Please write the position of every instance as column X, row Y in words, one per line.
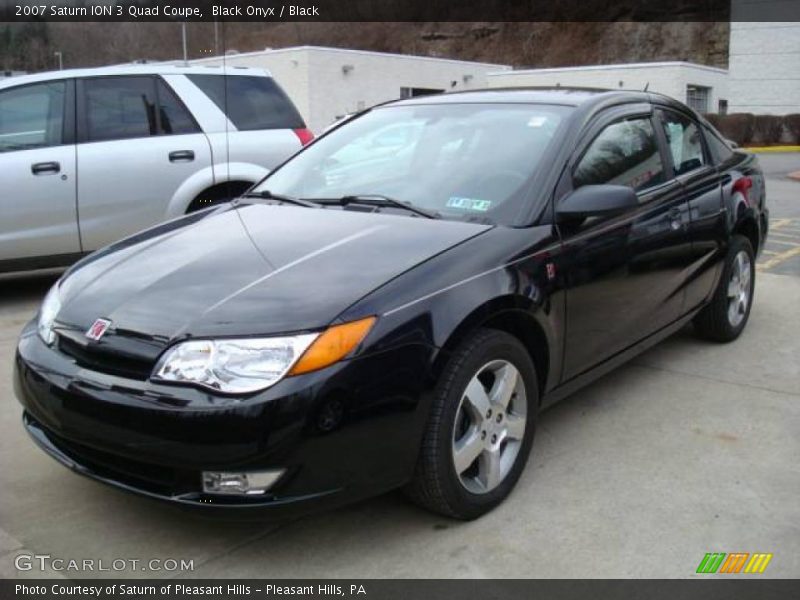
column 244, row 365
column 47, row 314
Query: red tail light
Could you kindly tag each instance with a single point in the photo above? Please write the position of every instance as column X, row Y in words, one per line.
column 304, row 135
column 743, row 185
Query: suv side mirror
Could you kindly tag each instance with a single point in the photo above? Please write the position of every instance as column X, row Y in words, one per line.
column 596, row 201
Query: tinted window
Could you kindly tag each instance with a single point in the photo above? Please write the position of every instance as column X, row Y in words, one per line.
column 685, row 142
column 175, row 118
column 624, row 153
column 720, row 150
column 120, row 107
column 250, row 102
column 32, row 116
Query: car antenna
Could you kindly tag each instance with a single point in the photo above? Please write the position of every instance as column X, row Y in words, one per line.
column 646, row 85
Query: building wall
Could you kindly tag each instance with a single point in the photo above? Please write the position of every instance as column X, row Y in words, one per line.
column 764, row 64
column 328, row 83
column 669, row 78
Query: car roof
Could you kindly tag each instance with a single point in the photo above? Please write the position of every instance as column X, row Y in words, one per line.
column 133, row 69
column 568, row 96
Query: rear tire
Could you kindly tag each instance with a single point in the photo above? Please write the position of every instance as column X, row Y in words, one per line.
column 480, row 429
column 724, row 319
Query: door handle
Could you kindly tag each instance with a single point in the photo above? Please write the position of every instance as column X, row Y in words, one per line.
column 181, row 156
column 45, row 167
column 675, row 218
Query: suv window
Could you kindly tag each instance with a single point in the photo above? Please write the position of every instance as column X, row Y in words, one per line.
column 685, row 142
column 32, row 116
column 120, row 107
column 250, row 102
column 624, row 153
column 175, row 118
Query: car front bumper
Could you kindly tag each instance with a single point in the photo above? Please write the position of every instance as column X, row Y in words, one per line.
column 347, row 432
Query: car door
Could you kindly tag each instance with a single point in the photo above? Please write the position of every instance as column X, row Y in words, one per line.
column 37, row 162
column 137, row 145
column 702, row 186
column 622, row 273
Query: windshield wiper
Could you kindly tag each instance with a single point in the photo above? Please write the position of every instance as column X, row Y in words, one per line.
column 267, row 195
column 384, row 201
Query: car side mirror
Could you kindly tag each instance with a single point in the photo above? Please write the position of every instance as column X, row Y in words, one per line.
column 596, row 201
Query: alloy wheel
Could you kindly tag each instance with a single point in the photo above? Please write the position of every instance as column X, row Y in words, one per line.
column 489, row 427
column 739, row 288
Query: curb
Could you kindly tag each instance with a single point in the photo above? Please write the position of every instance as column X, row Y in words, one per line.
column 772, row 148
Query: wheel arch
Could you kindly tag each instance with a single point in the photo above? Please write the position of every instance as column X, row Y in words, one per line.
column 514, row 315
column 747, row 225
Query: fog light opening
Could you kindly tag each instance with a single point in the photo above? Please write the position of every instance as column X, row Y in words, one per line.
column 250, row 483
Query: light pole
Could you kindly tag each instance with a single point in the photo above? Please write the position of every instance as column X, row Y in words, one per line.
column 60, row 58
column 183, row 35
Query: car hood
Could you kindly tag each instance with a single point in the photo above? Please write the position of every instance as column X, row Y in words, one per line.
column 250, row 269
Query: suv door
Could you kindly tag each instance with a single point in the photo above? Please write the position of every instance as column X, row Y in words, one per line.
column 137, row 145
column 623, row 273
column 37, row 161
column 702, row 186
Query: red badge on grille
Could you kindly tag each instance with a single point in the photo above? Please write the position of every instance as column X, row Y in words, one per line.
column 98, row 328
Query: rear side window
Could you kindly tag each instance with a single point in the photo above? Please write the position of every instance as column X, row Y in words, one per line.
column 175, row 118
column 32, row 116
column 250, row 102
column 721, row 151
column 624, row 153
column 120, row 108
column 685, row 142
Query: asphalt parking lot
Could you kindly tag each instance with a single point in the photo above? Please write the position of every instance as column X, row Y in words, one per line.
column 692, row 448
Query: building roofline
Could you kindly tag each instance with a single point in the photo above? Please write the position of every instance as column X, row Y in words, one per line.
column 643, row 65
column 307, row 48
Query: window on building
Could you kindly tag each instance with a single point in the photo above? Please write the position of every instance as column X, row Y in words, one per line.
column 413, row 92
column 32, row 116
column 624, row 153
column 697, row 97
column 722, row 107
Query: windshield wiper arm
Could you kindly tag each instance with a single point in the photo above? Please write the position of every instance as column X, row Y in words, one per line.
column 267, row 195
column 386, row 201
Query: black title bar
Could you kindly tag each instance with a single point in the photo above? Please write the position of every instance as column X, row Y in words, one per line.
column 398, row 10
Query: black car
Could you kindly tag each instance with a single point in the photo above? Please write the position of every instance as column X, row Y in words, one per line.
column 387, row 311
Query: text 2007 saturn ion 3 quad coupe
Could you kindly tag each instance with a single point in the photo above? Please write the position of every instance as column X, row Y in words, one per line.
column 394, row 310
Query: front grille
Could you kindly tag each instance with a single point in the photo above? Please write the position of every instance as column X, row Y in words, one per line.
column 97, row 359
column 152, row 477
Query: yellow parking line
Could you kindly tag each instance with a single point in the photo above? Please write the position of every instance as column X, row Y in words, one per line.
column 779, row 258
column 778, row 223
column 770, row 252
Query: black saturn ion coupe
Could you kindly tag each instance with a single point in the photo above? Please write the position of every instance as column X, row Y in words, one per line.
column 394, row 305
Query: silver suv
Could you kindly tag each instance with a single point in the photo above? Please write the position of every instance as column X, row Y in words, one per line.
column 89, row 156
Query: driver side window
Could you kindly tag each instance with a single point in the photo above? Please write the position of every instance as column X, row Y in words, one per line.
column 624, row 153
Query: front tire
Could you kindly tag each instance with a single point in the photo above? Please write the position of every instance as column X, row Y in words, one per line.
column 724, row 319
column 480, row 429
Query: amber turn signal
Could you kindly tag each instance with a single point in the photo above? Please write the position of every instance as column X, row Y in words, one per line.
column 333, row 345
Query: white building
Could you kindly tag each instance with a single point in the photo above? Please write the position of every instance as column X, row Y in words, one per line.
column 328, row 83
column 764, row 64
column 703, row 88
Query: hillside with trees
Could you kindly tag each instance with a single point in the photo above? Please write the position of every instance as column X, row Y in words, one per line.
column 32, row 46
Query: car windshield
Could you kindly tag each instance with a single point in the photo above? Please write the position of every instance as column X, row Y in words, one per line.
column 461, row 161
